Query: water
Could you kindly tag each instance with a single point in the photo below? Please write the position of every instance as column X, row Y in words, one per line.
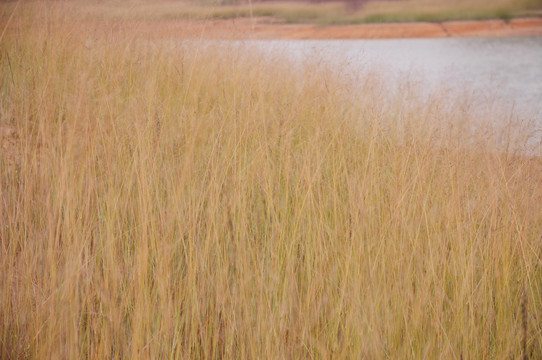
column 507, row 71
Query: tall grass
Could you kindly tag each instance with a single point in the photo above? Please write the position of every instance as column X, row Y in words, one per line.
column 200, row 203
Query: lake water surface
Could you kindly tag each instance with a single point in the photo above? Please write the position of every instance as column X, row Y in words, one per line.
column 503, row 70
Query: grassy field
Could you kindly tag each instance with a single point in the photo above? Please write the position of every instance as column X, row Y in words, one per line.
column 194, row 202
column 322, row 13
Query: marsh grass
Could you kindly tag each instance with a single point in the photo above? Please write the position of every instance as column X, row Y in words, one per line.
column 194, row 202
column 439, row 10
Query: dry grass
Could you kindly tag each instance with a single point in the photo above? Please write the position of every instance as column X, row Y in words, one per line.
column 198, row 203
column 322, row 13
column 145, row 10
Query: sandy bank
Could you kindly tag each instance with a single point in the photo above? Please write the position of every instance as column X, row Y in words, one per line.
column 264, row 28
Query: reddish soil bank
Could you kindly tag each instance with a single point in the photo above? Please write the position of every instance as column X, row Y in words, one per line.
column 264, row 28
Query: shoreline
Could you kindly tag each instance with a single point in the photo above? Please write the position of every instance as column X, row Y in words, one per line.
column 265, row 28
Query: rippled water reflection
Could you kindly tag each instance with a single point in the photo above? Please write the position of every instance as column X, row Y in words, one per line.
column 503, row 70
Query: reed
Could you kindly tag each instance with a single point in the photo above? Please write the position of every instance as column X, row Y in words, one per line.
column 191, row 201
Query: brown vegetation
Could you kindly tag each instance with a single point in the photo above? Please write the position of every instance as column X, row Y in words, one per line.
column 195, row 201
